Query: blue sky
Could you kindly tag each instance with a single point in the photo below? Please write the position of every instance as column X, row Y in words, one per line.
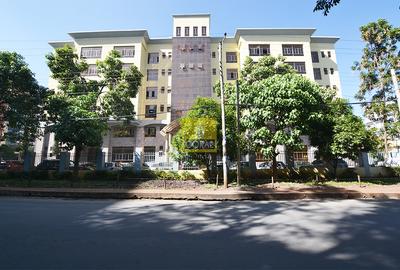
column 27, row 26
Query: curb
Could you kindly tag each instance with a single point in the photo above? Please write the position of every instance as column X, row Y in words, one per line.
column 169, row 195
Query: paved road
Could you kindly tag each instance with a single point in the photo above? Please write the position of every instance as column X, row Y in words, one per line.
column 147, row 234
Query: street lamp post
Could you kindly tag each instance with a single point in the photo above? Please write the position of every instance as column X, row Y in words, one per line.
column 221, row 74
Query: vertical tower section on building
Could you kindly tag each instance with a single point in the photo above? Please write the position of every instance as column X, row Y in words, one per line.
column 191, row 61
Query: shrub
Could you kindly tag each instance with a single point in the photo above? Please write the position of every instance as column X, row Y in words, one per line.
column 185, row 175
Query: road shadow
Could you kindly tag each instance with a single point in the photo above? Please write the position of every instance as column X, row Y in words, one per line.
column 149, row 234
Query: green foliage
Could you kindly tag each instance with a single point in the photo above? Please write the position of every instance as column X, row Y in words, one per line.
column 21, row 98
column 351, row 137
column 380, row 55
column 325, row 5
column 77, row 112
column 281, row 108
column 207, row 108
column 339, row 133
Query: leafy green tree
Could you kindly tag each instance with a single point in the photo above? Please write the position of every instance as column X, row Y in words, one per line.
column 339, row 133
column 251, row 73
column 203, row 107
column 21, row 100
column 325, row 5
column 78, row 111
column 280, row 109
column 381, row 54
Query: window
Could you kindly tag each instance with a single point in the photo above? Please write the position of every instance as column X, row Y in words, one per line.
column 317, row 74
column 169, row 109
column 214, row 71
column 195, row 31
column 325, row 71
column 329, row 54
column 123, row 132
column 91, row 52
column 300, row 67
column 151, row 92
column 162, row 89
column 125, row 51
column 334, row 87
column 186, row 31
column 292, row 50
column 163, row 72
column 122, row 154
column 213, row 55
column 178, row 31
column 231, row 57
column 259, row 50
column 332, row 71
column 152, row 74
column 126, row 66
column 204, row 31
column 151, row 111
column 91, row 71
column 161, row 108
column 232, row 74
column 169, row 89
column 153, row 58
column 315, row 57
column 150, row 131
column 149, row 153
column 323, row 54
column 169, row 71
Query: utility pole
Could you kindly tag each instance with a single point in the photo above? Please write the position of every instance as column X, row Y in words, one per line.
column 237, row 132
column 221, row 75
column 396, row 86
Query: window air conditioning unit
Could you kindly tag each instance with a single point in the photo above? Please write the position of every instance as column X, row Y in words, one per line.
column 182, row 66
column 191, row 66
column 200, row 66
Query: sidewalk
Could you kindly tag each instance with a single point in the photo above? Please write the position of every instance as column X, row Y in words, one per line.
column 220, row 194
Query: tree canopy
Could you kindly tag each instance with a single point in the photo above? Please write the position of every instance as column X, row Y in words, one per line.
column 79, row 109
column 376, row 90
column 21, row 100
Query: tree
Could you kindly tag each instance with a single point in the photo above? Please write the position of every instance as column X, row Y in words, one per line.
column 339, row 133
column 21, row 100
column 279, row 111
column 251, row 73
column 325, row 5
column 78, row 111
column 205, row 109
column 376, row 87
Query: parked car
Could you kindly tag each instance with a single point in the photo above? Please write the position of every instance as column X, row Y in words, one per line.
column 54, row 165
column 243, row 164
column 268, row 165
column 15, row 165
column 318, row 163
column 3, row 165
column 112, row 166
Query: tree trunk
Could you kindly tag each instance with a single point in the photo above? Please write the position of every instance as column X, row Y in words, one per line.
column 77, row 157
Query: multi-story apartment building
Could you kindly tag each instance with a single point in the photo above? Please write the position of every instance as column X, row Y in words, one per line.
column 182, row 67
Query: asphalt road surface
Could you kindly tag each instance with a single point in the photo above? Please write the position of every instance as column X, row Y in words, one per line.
column 149, row 234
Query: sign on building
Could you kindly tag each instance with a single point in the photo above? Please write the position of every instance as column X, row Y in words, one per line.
column 202, row 136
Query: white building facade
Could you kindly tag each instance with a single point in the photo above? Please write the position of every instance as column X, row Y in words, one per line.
column 182, row 67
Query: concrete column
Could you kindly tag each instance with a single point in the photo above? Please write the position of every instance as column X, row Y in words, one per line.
column 138, row 158
column 365, row 163
column 27, row 162
column 100, row 159
column 64, row 161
